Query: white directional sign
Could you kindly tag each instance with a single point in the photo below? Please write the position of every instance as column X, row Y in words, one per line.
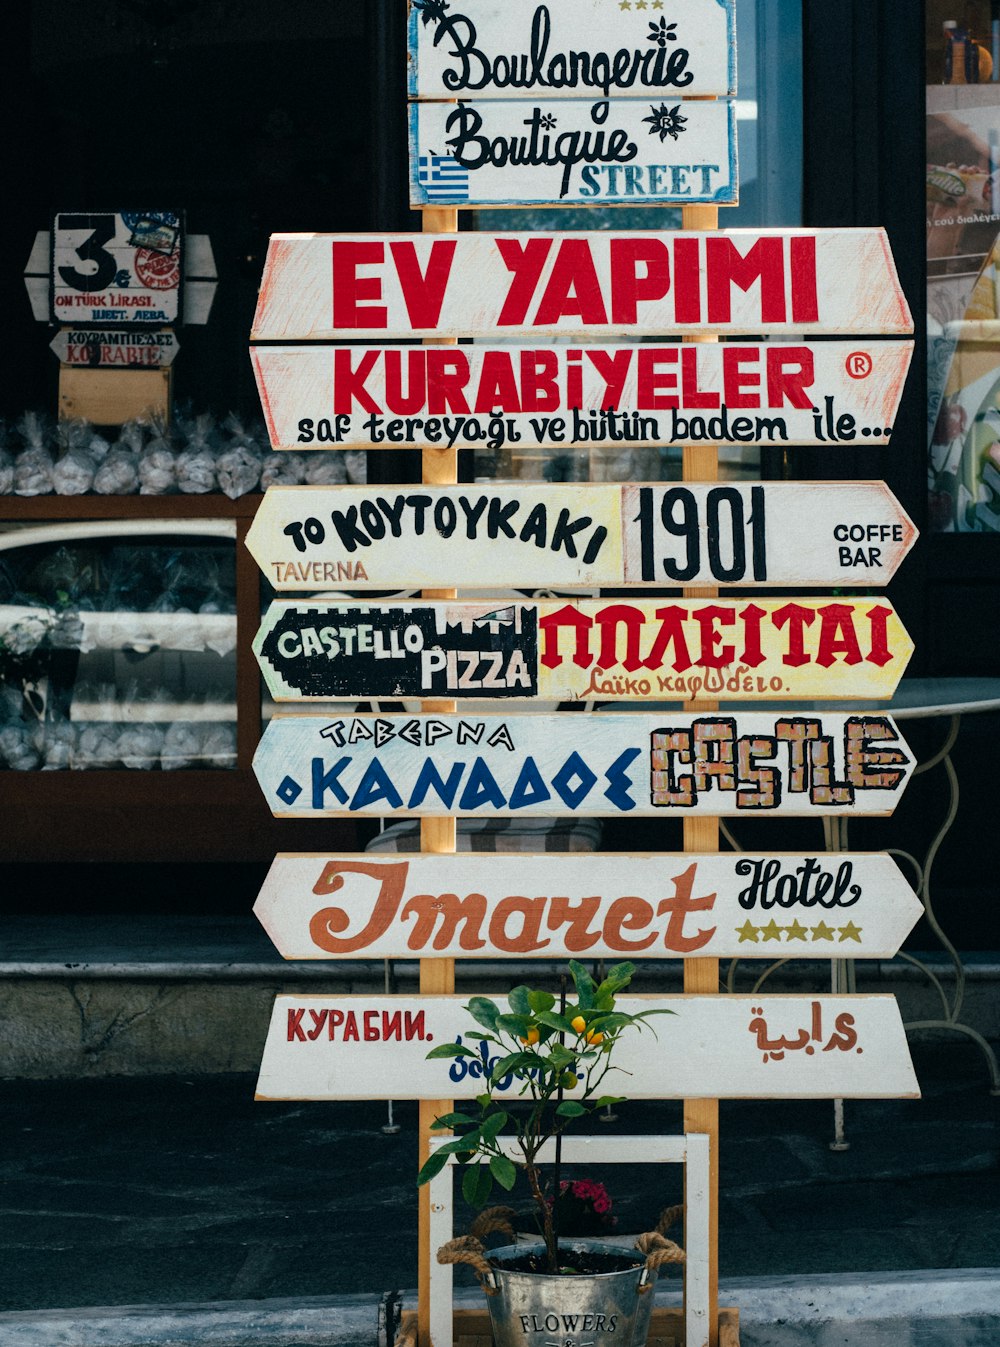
column 571, row 48
column 724, row 1047
column 832, row 393
column 606, row 283
column 577, row 152
column 472, row 906
column 115, row 348
column 591, row 650
column 603, row 764
column 529, row 535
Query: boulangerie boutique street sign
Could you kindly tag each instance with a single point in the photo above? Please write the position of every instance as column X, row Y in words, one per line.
column 597, row 906
column 529, row 397
column 592, row 650
column 598, row 284
column 601, row 765
column 573, row 152
column 531, row 535
column 570, row 49
column 725, row 1047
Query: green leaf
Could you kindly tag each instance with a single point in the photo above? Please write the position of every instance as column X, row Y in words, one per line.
column 494, row 1124
column 518, row 1000
column 484, row 1100
column 514, row 1024
column 554, row 1021
column 477, row 1184
column 503, row 1170
column 515, row 1062
column 616, row 1019
column 457, row 1145
column 434, row 1164
column 480, row 1038
column 452, row 1120
column 451, row 1050
column 584, row 984
column 484, row 1011
column 560, row 1056
column 609, row 1099
column 569, row 1108
column 541, row 1001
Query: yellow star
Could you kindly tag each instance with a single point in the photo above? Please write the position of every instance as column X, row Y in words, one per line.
column 850, row 932
column 625, row 4
column 640, row 4
column 796, row 931
column 772, row 931
column 822, row 932
column 657, row 4
column 748, row 931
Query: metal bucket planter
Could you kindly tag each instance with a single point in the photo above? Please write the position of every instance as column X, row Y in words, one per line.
column 535, row 1309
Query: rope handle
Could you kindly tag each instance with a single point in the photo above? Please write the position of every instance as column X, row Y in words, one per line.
column 467, row 1249
column 493, row 1219
column 669, row 1216
column 659, row 1251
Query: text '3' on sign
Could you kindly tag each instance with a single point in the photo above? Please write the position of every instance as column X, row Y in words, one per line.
column 604, row 283
column 616, row 152
column 391, row 538
column 603, row 764
column 725, row 1047
column 588, row 650
column 597, row 906
column 595, row 49
column 830, row 393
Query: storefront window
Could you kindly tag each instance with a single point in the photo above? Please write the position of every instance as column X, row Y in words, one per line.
column 963, row 257
column 118, row 645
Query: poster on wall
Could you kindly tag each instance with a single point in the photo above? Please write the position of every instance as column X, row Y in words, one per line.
column 963, row 275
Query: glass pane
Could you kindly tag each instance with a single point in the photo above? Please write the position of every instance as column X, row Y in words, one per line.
column 118, row 645
column 769, row 129
column 963, row 257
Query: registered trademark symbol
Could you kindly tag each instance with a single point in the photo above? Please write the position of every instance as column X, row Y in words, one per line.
column 859, row 364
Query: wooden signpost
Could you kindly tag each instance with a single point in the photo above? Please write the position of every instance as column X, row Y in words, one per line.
column 731, row 1047
column 116, row 267
column 115, row 348
column 614, row 152
column 571, row 49
column 383, row 397
column 600, row 765
column 602, row 284
column 583, row 650
column 529, row 535
column 578, row 102
column 586, row 907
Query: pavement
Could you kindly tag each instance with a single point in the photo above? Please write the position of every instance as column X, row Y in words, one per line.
column 205, row 1217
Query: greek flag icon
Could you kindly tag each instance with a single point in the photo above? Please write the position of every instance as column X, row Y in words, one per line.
column 442, row 179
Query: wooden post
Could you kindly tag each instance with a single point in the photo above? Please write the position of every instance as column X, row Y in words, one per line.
column 701, row 976
column 439, row 467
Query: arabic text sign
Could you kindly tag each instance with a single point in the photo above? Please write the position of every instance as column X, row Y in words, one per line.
column 836, row 393
column 619, row 152
column 566, row 48
column 605, row 765
column 116, row 267
column 597, row 906
column 528, row 535
column 603, row 283
column 597, row 650
column 121, row 348
column 725, row 1047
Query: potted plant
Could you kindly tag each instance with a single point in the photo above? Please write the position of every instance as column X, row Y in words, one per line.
column 554, row 1289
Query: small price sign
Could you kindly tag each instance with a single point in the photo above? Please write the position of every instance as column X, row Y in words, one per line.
column 116, row 267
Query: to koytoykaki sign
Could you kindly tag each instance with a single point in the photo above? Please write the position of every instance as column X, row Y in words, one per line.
column 726, row 1047
column 575, row 152
column 570, row 49
column 117, row 348
column 830, row 393
column 599, row 284
column 527, row 535
column 603, row 764
column 114, row 267
column 587, row 907
column 590, row 650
